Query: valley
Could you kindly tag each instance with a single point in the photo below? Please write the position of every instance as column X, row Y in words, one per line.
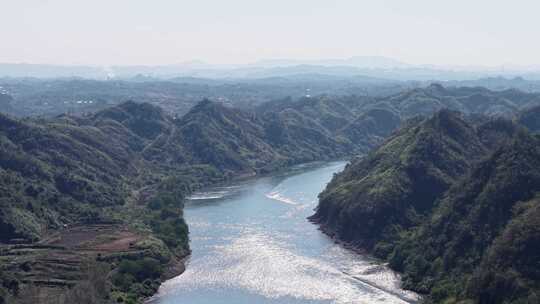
column 108, row 188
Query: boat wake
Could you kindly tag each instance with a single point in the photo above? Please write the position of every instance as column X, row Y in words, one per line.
column 276, row 195
column 216, row 193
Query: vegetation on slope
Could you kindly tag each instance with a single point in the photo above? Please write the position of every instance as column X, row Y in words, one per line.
column 129, row 168
column 391, row 189
column 364, row 122
column 480, row 243
column 73, row 172
column 452, row 205
column 6, row 103
column 530, row 118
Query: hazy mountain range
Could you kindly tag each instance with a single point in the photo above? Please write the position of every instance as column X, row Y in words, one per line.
column 370, row 66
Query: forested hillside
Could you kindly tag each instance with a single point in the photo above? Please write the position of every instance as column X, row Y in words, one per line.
column 121, row 174
column 6, row 103
column 530, row 118
column 443, row 200
column 70, row 182
column 86, row 159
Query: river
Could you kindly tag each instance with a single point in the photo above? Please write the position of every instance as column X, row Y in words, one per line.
column 251, row 243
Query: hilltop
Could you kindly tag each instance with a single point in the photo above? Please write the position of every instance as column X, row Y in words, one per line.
column 414, row 165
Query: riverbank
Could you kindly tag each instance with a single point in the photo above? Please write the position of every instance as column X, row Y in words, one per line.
column 331, row 233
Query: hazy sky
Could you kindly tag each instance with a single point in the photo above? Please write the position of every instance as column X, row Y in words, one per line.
column 464, row 32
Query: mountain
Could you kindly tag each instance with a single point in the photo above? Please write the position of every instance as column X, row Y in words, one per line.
column 371, row 128
column 499, row 83
column 443, row 200
column 50, row 168
column 391, row 187
column 337, row 123
column 307, row 129
column 229, row 139
column 6, row 103
column 109, row 186
column 369, row 62
column 481, row 242
column 258, row 141
column 530, row 118
column 73, row 190
column 364, row 122
column 370, row 66
column 467, row 100
column 81, row 188
column 38, row 97
column 72, row 193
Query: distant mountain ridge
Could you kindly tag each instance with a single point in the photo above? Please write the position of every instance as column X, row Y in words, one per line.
column 370, row 66
column 369, row 62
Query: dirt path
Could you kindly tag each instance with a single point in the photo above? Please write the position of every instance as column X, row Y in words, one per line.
column 123, row 242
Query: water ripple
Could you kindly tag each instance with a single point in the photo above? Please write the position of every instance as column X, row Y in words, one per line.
column 248, row 250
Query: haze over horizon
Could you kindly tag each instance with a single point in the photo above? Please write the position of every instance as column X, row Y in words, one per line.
column 239, row 31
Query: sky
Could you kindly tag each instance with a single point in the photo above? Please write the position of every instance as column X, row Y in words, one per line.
column 156, row 32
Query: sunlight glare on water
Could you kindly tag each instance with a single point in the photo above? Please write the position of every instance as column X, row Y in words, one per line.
column 254, row 244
